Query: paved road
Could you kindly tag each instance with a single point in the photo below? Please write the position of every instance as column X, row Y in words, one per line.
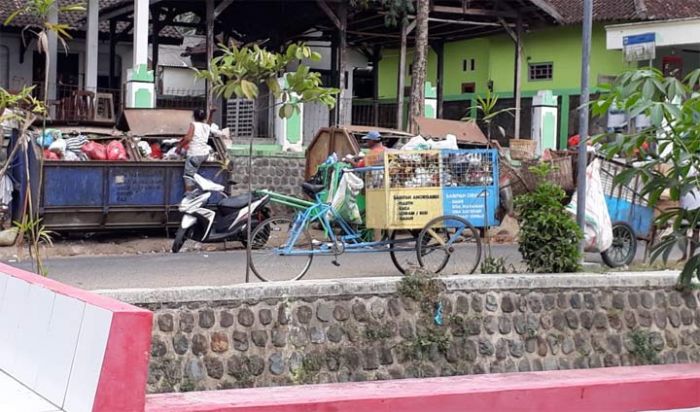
column 211, row 269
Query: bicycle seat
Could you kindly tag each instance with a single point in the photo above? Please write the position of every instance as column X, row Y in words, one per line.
column 311, row 189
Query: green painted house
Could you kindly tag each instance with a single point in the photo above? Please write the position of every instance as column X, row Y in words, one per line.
column 551, row 60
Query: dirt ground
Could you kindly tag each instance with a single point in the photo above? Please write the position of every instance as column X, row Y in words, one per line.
column 110, row 244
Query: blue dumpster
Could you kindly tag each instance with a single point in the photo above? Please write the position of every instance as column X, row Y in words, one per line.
column 107, row 195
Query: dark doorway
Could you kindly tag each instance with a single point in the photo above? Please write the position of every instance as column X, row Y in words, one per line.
column 67, row 72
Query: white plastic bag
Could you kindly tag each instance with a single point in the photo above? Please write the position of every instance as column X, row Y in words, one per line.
column 598, row 233
column 345, row 198
column 58, row 146
column 416, row 143
column 450, row 142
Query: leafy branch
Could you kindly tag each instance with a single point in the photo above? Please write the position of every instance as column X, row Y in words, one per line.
column 240, row 71
column 670, row 147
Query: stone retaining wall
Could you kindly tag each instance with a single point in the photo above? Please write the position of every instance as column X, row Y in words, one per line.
column 283, row 172
column 365, row 329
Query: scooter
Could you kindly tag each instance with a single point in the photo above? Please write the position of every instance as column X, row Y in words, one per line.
column 226, row 222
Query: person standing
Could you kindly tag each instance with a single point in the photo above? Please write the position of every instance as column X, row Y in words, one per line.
column 375, row 155
column 195, row 142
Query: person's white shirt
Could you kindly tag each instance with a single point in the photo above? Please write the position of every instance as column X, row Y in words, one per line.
column 199, row 144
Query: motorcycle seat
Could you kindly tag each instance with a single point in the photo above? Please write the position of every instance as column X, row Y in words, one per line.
column 234, row 202
column 311, row 189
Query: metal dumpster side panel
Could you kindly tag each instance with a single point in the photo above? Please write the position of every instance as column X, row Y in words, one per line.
column 116, row 195
column 132, row 185
column 67, row 185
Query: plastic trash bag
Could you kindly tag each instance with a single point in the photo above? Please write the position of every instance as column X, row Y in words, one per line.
column 116, row 151
column 450, row 142
column 49, row 155
column 598, row 233
column 144, row 148
column 95, row 151
column 416, row 143
column 59, row 147
column 345, row 198
column 71, row 156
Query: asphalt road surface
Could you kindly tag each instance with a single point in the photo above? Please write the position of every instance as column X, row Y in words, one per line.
column 214, row 268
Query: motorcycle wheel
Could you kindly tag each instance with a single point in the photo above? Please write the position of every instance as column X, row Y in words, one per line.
column 180, row 238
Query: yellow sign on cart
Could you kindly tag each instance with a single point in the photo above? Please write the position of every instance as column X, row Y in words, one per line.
column 413, row 208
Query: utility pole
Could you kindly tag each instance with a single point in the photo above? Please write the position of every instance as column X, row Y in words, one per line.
column 583, row 117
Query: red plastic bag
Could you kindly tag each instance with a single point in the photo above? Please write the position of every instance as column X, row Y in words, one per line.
column 49, row 155
column 116, row 151
column 156, row 152
column 95, row 151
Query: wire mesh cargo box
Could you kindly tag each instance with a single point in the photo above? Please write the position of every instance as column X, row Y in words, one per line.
column 624, row 201
column 414, row 187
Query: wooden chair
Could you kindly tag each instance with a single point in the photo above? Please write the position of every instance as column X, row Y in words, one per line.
column 84, row 105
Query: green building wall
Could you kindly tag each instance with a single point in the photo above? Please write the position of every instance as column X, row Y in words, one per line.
column 494, row 60
column 493, row 57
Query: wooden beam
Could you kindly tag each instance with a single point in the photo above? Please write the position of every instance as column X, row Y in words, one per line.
column 464, row 22
column 210, row 52
column 401, row 85
column 513, row 36
column 472, row 11
column 518, row 74
column 376, row 58
column 155, row 44
column 334, row 19
column 549, row 9
column 221, row 7
column 333, row 115
column 343, row 62
column 112, row 53
column 439, row 48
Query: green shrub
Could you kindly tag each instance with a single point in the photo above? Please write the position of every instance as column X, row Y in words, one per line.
column 549, row 237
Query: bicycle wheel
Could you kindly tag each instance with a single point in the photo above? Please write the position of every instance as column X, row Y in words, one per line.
column 269, row 239
column 449, row 244
column 624, row 246
column 399, row 252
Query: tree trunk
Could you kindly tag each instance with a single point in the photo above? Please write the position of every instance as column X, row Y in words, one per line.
column 420, row 63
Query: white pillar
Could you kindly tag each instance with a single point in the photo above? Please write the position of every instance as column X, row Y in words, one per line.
column 91, row 46
column 141, row 33
column 52, row 55
column 140, row 92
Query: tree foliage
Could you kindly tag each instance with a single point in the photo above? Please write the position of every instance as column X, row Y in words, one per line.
column 240, row 71
column 670, row 147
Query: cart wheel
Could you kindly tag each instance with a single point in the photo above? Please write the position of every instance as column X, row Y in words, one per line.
column 449, row 239
column 269, row 239
column 399, row 251
column 624, row 246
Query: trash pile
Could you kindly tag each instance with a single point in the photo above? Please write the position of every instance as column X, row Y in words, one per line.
column 76, row 147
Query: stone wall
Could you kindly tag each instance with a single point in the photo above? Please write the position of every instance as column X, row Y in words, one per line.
column 372, row 329
column 283, row 172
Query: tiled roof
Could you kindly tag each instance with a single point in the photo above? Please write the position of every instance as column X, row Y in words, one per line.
column 672, row 9
column 77, row 20
column 625, row 10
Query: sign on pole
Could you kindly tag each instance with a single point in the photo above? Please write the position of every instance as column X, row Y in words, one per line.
column 639, row 47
